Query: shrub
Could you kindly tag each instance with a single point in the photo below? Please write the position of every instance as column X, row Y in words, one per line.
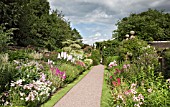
column 7, row 73
column 96, row 57
column 130, row 49
column 71, row 71
column 4, row 38
column 166, row 56
column 88, row 62
column 110, row 59
column 18, row 54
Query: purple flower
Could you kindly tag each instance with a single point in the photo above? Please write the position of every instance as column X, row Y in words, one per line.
column 57, row 71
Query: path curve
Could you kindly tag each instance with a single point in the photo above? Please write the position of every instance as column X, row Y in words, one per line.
column 87, row 93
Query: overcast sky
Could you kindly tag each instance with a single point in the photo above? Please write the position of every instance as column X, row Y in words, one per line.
column 96, row 19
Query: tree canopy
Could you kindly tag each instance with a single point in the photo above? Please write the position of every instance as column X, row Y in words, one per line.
column 35, row 25
column 149, row 25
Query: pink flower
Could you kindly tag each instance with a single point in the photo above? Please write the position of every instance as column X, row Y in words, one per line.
column 127, row 92
column 124, row 66
column 114, row 83
column 111, row 77
column 117, row 71
column 43, row 77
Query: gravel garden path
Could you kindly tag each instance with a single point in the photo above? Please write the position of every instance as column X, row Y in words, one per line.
column 87, row 93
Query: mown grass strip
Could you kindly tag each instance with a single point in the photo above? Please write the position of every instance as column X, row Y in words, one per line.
column 59, row 94
column 105, row 93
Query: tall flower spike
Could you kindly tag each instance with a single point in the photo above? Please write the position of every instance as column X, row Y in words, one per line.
column 59, row 56
column 118, row 81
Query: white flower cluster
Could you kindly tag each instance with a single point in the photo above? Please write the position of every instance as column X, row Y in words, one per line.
column 64, row 55
column 33, row 91
column 112, row 64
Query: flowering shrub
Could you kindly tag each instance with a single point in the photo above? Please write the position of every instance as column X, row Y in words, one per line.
column 138, row 84
column 71, row 71
column 32, row 84
column 57, row 77
column 30, row 94
column 88, row 62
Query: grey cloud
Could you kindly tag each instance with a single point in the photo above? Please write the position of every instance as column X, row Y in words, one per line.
column 103, row 14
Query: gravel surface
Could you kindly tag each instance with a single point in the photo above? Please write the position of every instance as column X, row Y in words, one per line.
column 87, row 93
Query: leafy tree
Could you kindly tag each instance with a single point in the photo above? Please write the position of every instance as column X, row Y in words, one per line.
column 149, row 25
column 35, row 25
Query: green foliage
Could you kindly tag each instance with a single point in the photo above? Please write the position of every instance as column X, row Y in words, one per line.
column 110, row 59
column 35, row 25
column 19, row 54
column 88, row 62
column 71, row 71
column 138, row 83
column 149, row 25
column 166, row 66
column 95, row 56
column 130, row 49
column 4, row 38
column 6, row 75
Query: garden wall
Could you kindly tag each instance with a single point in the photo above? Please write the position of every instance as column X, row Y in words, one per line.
column 165, row 67
column 160, row 44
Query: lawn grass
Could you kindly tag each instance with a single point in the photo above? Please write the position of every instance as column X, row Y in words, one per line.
column 105, row 93
column 59, row 94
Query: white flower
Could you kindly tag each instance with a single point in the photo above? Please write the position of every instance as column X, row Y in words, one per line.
column 6, row 103
column 19, row 82
column 17, row 62
column 27, row 98
column 133, row 91
column 120, row 97
column 59, row 56
column 133, row 85
column 112, row 64
column 149, row 90
column 136, row 98
column 22, row 94
column 69, row 57
column 168, row 80
column 73, row 60
column 64, row 55
column 137, row 105
column 12, row 84
column 49, row 62
column 141, row 97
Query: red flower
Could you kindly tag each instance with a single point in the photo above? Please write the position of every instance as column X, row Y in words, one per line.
column 117, row 83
